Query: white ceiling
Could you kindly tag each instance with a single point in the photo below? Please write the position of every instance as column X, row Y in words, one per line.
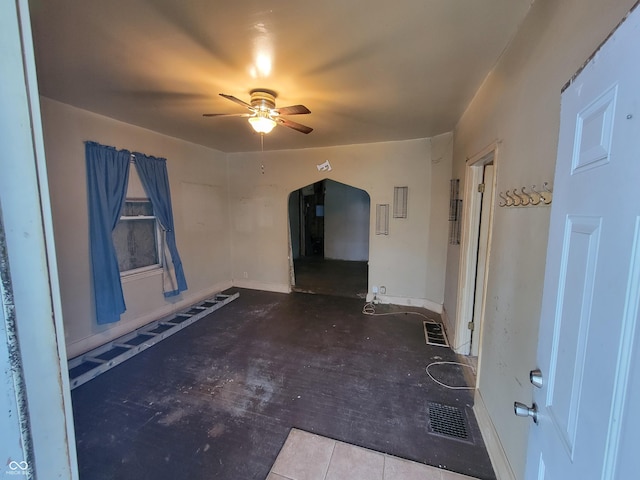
column 369, row 70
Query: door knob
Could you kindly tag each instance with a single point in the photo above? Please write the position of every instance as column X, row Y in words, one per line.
column 535, row 377
column 521, row 410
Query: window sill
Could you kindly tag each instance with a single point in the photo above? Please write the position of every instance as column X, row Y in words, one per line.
column 152, row 272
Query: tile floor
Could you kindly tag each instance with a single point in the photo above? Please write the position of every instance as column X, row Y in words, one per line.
column 306, row 456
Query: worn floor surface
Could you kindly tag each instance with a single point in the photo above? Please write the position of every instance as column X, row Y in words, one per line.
column 218, row 399
column 331, row 277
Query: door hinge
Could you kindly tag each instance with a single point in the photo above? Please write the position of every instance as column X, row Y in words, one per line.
column 470, row 325
column 481, row 188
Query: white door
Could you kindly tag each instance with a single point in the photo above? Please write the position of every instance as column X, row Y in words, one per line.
column 587, row 406
column 483, row 254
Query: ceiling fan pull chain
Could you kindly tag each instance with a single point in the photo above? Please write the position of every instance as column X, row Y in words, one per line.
column 262, row 153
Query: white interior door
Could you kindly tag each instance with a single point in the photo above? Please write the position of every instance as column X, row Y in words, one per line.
column 486, row 212
column 587, row 340
column 476, row 231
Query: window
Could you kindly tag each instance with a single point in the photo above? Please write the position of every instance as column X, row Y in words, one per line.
column 137, row 238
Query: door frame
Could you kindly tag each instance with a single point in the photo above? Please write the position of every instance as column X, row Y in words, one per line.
column 38, row 343
column 469, row 247
column 301, row 214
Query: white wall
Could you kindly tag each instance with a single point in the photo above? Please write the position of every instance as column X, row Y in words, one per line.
column 346, row 222
column 519, row 105
column 199, row 194
column 231, row 219
column 409, row 261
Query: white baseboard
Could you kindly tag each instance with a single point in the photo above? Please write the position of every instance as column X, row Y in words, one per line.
column 407, row 302
column 267, row 287
column 122, row 328
column 445, row 320
column 496, row 452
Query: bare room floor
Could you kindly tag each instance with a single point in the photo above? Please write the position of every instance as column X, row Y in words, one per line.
column 331, row 277
column 218, row 399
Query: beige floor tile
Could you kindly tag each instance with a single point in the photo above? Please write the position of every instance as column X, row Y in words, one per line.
column 304, row 456
column 455, row 476
column 275, row 476
column 399, row 469
column 355, row 463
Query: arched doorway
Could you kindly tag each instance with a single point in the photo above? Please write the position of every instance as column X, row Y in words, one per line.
column 329, row 226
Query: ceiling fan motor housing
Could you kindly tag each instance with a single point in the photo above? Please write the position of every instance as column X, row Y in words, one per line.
column 263, row 99
column 264, row 114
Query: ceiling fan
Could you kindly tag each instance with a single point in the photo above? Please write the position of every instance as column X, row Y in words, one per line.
column 264, row 115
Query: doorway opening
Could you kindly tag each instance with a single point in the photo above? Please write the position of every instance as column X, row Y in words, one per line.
column 475, row 249
column 329, row 239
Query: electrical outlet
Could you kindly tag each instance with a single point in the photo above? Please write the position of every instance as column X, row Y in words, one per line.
column 245, row 274
column 383, row 290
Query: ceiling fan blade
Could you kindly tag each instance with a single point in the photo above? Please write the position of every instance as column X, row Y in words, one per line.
column 227, row 114
column 292, row 110
column 296, row 126
column 236, row 100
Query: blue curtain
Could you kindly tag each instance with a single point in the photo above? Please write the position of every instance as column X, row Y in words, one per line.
column 107, row 178
column 155, row 180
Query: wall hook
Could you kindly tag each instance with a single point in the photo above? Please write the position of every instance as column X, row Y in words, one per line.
column 517, row 198
column 520, row 197
column 535, row 200
column 513, row 202
column 546, row 194
column 532, row 198
column 525, row 198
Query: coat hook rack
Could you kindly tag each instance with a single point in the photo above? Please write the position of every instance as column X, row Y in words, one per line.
column 524, row 197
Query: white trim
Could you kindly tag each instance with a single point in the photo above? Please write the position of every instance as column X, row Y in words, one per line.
column 267, row 287
column 491, row 439
column 468, row 253
column 472, row 204
column 142, row 272
column 491, row 148
column 407, row 302
column 445, row 320
column 128, row 218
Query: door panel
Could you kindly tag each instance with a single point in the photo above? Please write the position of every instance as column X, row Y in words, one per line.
column 591, row 293
column 575, row 293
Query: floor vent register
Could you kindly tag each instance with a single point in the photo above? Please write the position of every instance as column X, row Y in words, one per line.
column 448, row 421
column 434, row 334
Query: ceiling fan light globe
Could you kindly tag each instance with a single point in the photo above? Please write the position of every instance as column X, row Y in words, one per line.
column 262, row 124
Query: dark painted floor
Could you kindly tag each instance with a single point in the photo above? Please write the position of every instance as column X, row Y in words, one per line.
column 331, row 277
column 217, row 399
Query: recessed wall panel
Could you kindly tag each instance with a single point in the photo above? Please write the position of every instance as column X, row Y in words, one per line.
column 594, row 131
column 573, row 314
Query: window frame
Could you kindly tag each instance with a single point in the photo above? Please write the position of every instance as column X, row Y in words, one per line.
column 147, row 270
